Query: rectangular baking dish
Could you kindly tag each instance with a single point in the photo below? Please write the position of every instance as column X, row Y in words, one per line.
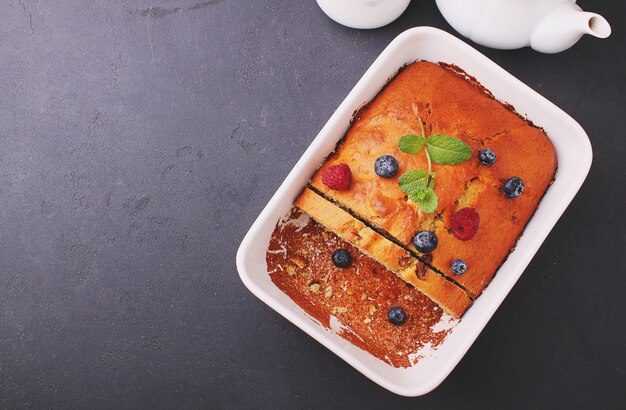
column 574, row 160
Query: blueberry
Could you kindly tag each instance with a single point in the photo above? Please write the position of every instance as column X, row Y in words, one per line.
column 425, row 241
column 386, row 166
column 342, row 258
column 513, row 187
column 487, row 157
column 396, row 315
column 458, row 266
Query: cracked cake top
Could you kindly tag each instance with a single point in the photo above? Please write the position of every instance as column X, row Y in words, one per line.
column 447, row 104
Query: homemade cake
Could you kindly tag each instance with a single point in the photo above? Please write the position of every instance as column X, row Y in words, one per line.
column 421, row 202
column 446, row 103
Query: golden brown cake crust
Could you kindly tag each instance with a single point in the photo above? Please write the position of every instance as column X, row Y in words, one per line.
column 448, row 104
column 445, row 293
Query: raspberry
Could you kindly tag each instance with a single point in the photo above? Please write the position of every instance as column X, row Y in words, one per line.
column 465, row 223
column 337, row 177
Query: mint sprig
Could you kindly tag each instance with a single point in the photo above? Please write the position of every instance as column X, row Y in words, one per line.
column 418, row 185
column 441, row 149
column 445, row 150
column 411, row 144
column 428, row 202
column 410, row 181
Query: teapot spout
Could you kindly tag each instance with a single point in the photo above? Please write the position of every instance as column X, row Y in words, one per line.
column 564, row 26
column 597, row 25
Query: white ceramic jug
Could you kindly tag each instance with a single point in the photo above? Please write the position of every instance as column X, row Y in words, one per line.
column 548, row 26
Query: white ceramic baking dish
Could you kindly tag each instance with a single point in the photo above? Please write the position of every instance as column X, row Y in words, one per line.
column 574, row 160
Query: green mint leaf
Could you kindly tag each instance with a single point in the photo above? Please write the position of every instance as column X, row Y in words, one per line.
column 429, row 202
column 446, row 150
column 411, row 144
column 412, row 180
column 417, row 194
column 412, row 176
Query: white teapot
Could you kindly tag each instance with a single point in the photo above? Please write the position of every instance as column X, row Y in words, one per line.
column 363, row 13
column 548, row 26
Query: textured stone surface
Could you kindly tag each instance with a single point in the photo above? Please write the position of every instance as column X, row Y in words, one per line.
column 140, row 139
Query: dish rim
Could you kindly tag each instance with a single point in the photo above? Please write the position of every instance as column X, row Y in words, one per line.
column 484, row 307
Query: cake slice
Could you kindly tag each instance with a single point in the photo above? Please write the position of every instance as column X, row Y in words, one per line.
column 445, row 293
column 353, row 301
column 449, row 104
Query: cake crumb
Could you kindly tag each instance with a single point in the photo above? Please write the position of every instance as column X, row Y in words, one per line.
column 405, row 261
column 339, row 310
column 315, row 287
column 409, row 298
column 328, row 292
column 319, row 285
column 298, row 261
column 291, row 270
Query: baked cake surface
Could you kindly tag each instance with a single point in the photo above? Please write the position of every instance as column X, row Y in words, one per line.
column 447, row 104
column 356, row 211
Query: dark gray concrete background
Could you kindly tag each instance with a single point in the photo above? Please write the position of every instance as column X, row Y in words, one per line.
column 140, row 139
